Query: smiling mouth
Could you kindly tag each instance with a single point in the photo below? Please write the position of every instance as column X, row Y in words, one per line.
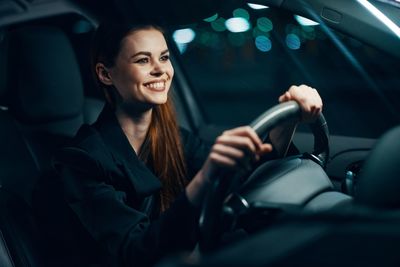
column 158, row 86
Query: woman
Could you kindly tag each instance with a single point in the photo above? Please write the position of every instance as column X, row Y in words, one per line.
column 133, row 182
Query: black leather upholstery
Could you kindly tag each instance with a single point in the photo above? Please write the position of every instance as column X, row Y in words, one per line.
column 18, row 169
column 18, row 173
column 44, row 80
column 5, row 257
column 45, row 103
column 20, row 232
column 379, row 181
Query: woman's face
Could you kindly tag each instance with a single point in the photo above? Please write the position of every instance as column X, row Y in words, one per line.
column 143, row 71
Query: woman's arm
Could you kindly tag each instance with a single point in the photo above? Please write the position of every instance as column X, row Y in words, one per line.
column 233, row 149
column 236, row 148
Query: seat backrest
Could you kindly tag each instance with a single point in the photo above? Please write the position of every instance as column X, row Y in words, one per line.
column 42, row 107
column 378, row 183
column 21, row 238
column 18, row 174
column 44, row 88
column 44, row 83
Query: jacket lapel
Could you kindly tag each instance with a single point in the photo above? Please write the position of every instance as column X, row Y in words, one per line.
column 139, row 176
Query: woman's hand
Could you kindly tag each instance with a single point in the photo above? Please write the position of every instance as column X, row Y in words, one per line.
column 233, row 149
column 308, row 98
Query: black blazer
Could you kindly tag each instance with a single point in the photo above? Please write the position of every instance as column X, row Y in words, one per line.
column 101, row 208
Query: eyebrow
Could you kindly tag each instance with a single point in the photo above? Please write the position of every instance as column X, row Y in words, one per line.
column 145, row 53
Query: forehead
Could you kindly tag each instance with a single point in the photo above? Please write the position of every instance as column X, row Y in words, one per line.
column 147, row 40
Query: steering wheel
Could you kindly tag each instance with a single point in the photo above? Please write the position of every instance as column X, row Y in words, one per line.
column 283, row 172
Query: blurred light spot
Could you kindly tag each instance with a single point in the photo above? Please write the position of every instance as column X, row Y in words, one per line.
column 181, row 47
column 237, row 39
column 212, row 18
column 218, row 25
column 256, row 6
column 382, row 17
column 264, row 24
column 305, row 21
column 308, row 32
column 258, row 32
column 307, row 28
column 293, row 41
column 237, row 24
column 263, row 43
column 82, row 26
column 210, row 39
column 184, row 36
column 241, row 13
column 205, row 37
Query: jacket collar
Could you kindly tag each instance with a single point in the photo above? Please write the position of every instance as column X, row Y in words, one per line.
column 142, row 179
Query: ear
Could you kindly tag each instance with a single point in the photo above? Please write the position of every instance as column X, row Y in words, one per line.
column 103, row 74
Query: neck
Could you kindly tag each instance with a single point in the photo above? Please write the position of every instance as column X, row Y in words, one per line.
column 135, row 126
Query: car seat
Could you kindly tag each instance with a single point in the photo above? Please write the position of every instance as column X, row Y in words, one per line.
column 42, row 106
column 45, row 92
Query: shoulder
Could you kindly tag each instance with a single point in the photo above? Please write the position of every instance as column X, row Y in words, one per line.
column 85, row 151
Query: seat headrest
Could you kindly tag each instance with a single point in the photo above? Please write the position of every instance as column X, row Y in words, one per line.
column 44, row 81
column 379, row 181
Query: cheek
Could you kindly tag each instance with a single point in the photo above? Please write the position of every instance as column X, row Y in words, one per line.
column 138, row 76
column 171, row 70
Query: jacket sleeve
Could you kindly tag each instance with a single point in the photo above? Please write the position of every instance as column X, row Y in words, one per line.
column 127, row 234
column 196, row 151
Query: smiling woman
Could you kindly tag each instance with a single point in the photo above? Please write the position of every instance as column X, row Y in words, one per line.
column 133, row 181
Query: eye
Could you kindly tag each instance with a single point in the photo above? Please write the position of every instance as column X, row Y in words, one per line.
column 164, row 58
column 143, row 60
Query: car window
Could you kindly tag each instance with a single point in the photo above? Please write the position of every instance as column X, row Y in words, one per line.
column 239, row 63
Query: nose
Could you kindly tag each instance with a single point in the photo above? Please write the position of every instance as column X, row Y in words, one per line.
column 158, row 69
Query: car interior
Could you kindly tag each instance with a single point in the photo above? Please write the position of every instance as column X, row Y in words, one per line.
column 342, row 210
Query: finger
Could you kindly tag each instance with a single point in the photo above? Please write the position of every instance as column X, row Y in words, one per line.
column 246, row 131
column 265, row 149
column 228, row 151
column 285, row 97
column 221, row 161
column 240, row 142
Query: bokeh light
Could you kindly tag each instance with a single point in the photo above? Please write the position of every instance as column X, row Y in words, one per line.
column 305, row 21
column 256, row 6
column 237, row 39
column 237, row 24
column 184, row 36
column 293, row 41
column 218, row 25
column 264, row 24
column 263, row 43
column 211, row 39
column 212, row 18
column 258, row 32
column 308, row 32
column 241, row 13
column 181, row 47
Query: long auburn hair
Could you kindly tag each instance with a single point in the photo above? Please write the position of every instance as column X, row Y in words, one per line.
column 162, row 148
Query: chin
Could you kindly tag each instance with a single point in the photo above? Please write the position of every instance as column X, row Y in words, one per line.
column 158, row 100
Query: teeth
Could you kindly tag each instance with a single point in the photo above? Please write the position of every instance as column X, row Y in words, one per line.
column 157, row 85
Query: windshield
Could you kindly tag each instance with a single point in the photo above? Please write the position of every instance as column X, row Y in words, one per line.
column 239, row 65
